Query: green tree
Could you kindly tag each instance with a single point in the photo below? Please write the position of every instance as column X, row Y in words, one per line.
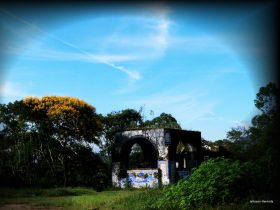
column 130, row 119
column 42, row 135
column 267, row 99
column 265, row 135
column 259, row 142
column 16, row 145
column 237, row 134
column 68, row 120
column 163, row 121
column 117, row 122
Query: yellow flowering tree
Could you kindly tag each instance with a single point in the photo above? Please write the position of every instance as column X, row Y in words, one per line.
column 48, row 141
column 63, row 125
column 65, row 119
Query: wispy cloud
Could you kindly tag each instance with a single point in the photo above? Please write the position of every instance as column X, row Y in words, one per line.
column 162, row 29
column 152, row 43
column 101, row 59
column 149, row 41
column 45, row 54
column 186, row 108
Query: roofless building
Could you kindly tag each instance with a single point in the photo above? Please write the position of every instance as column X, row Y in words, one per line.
column 151, row 157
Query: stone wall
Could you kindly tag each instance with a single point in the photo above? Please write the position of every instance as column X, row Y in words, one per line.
column 156, row 137
column 164, row 142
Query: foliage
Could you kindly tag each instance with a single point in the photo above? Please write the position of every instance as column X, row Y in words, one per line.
column 267, row 99
column 116, row 122
column 163, row 121
column 46, row 142
column 129, row 119
column 264, row 137
column 216, row 181
column 259, row 143
column 63, row 118
column 236, row 134
column 88, row 199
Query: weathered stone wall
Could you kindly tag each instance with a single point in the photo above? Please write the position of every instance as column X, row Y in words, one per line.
column 163, row 165
column 163, row 141
column 115, row 174
column 156, row 137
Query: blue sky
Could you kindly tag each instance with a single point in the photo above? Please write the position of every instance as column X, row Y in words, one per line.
column 201, row 64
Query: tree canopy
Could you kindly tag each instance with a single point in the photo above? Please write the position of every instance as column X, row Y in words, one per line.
column 63, row 118
column 127, row 119
column 163, row 121
column 116, row 122
column 44, row 140
column 259, row 142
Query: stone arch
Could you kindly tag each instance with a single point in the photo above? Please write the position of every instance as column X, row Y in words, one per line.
column 160, row 157
column 150, row 152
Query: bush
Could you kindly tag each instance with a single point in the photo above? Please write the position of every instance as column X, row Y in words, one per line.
column 216, row 181
column 101, row 181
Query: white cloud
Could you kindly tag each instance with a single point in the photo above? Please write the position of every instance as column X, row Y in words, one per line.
column 151, row 44
column 45, row 54
column 11, row 91
column 186, row 108
column 162, row 30
column 132, row 74
column 152, row 41
column 102, row 59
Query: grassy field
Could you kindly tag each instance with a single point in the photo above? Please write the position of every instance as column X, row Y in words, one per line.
column 86, row 198
column 76, row 198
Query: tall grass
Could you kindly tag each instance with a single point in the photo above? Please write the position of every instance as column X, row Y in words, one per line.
column 89, row 199
column 73, row 198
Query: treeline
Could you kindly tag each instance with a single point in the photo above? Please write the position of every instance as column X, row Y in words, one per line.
column 49, row 142
column 259, row 143
column 250, row 171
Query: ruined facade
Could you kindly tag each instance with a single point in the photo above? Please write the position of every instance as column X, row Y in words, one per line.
column 168, row 155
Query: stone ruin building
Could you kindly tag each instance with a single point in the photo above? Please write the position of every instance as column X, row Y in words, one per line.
column 167, row 155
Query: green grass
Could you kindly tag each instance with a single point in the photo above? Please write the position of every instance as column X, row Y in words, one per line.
column 75, row 198
column 86, row 198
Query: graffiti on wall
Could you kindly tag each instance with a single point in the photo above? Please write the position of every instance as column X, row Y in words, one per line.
column 140, row 178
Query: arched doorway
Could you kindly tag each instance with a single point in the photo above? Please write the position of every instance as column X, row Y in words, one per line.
column 136, row 157
column 139, row 152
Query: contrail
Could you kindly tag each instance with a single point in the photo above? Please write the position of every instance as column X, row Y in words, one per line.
column 132, row 74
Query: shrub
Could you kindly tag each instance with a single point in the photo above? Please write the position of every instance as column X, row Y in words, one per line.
column 216, row 181
column 101, row 181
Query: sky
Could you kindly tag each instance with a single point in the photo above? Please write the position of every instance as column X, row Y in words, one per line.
column 203, row 64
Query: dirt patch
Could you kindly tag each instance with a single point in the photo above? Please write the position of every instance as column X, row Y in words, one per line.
column 26, row 207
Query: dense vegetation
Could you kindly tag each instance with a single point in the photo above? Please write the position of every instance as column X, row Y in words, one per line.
column 48, row 142
column 250, row 173
column 216, row 181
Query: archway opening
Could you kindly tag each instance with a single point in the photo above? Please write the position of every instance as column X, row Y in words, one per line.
column 136, row 157
column 139, row 153
column 185, row 156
